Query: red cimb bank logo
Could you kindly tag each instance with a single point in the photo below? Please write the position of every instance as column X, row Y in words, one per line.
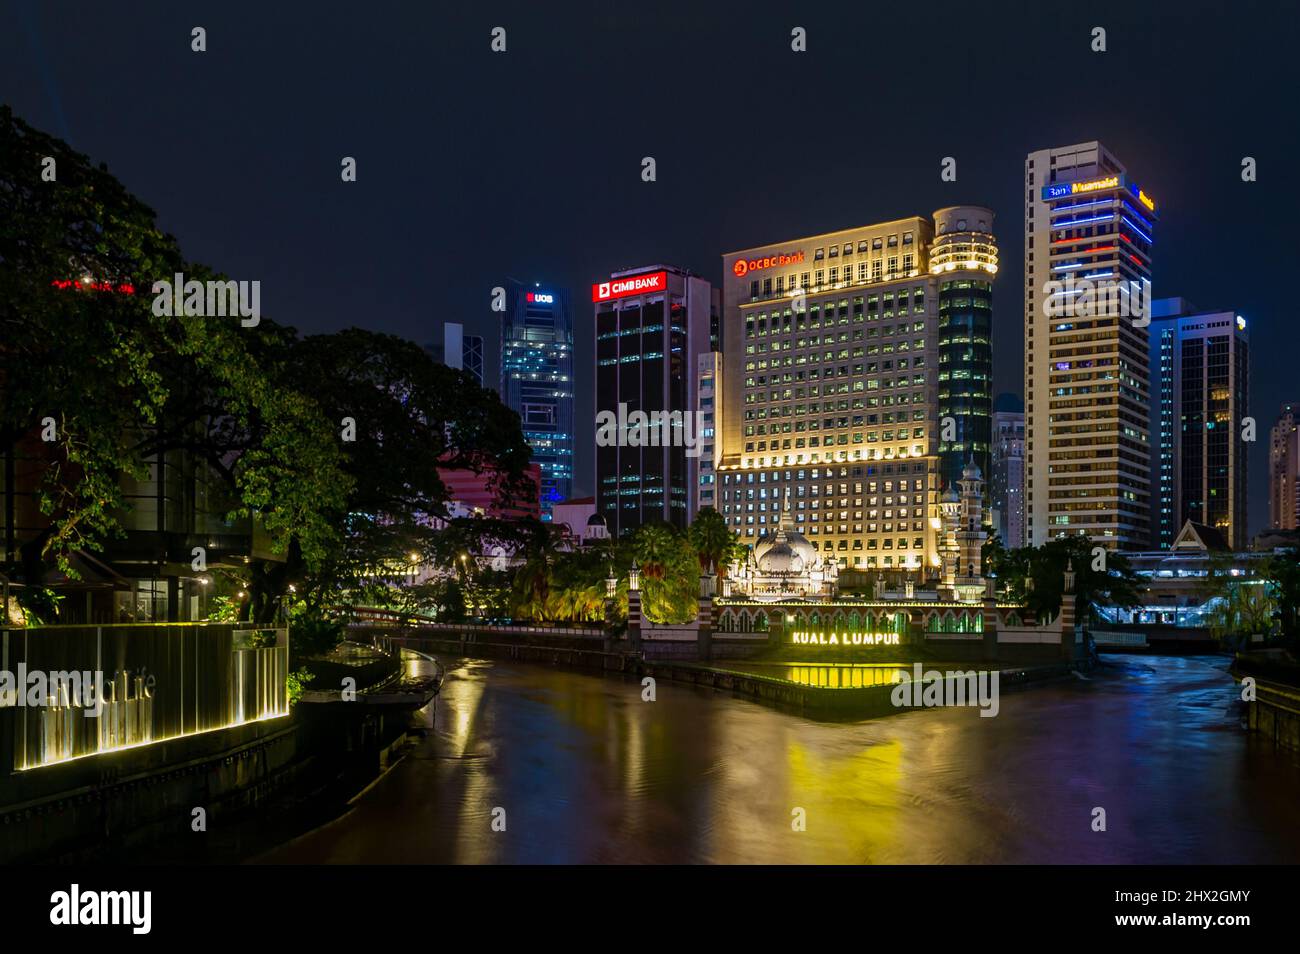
column 625, row 287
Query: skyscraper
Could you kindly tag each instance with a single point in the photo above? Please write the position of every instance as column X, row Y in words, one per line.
column 1200, row 397
column 652, row 326
column 1088, row 244
column 708, row 416
column 833, row 379
column 537, row 381
column 1284, row 470
column 458, row 350
column 1008, row 481
column 963, row 244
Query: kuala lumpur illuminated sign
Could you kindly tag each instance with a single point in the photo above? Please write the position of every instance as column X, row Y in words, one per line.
column 807, row 638
column 743, row 266
column 1083, row 186
column 626, row 287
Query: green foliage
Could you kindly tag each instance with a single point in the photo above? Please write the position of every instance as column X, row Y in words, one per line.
column 260, row 407
column 670, row 573
column 314, row 635
column 413, row 417
column 1035, row 576
column 1243, row 609
column 715, row 543
column 1282, row 570
column 40, row 606
column 122, row 384
column 297, row 683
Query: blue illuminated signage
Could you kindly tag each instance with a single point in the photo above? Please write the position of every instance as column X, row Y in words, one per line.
column 1083, row 186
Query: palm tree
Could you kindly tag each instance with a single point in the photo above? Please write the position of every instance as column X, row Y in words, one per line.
column 654, row 547
column 715, row 543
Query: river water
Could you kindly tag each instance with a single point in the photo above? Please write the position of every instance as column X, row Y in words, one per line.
column 585, row 771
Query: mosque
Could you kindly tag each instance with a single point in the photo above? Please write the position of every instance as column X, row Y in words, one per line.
column 783, row 565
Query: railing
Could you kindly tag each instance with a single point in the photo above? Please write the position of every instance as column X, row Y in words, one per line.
column 364, row 616
column 72, row 691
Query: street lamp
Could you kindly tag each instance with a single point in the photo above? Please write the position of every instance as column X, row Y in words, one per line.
column 634, row 578
column 611, row 583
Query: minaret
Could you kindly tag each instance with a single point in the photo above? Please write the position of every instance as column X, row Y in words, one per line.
column 970, row 530
column 950, row 513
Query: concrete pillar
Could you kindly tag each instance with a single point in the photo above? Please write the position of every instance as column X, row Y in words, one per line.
column 990, row 609
column 1067, row 614
column 704, row 615
column 634, row 619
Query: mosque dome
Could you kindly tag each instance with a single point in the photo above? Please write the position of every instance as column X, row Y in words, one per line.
column 780, row 558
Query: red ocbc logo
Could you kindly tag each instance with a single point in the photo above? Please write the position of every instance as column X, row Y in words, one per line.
column 744, row 266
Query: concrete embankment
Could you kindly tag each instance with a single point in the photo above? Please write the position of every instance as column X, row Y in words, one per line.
column 815, row 701
column 1273, row 700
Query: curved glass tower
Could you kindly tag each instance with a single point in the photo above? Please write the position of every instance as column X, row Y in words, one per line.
column 964, row 259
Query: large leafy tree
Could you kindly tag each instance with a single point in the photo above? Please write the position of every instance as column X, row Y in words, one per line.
column 81, row 349
column 1036, row 576
column 399, row 417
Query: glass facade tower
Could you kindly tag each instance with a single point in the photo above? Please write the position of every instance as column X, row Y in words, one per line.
column 537, row 381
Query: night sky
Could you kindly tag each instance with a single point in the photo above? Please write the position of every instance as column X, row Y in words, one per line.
column 475, row 166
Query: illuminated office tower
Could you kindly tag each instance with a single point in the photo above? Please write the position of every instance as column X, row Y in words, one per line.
column 1088, row 245
column 961, row 256
column 1284, row 470
column 839, row 353
column 652, row 326
column 537, row 381
column 1200, row 366
column 708, row 415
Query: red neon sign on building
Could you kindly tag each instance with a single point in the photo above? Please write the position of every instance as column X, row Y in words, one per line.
column 744, row 266
column 633, row 285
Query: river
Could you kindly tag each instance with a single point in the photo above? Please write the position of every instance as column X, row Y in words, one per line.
column 580, row 769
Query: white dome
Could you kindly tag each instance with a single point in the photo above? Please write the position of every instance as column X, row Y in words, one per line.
column 780, row 558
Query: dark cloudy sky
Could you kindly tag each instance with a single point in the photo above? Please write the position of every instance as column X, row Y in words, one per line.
column 475, row 166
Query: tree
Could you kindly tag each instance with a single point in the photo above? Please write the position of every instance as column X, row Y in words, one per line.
column 1242, row 608
column 715, row 543
column 1282, row 570
column 669, row 573
column 410, row 417
column 1105, row 577
column 119, row 383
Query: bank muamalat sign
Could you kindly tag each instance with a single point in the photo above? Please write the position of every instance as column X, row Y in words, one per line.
column 625, row 287
column 743, row 266
column 801, row 637
column 1060, row 189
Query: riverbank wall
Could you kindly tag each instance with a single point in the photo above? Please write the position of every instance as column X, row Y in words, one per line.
column 815, row 701
column 1274, row 710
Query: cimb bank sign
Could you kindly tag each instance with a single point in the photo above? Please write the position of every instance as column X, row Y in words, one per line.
column 615, row 288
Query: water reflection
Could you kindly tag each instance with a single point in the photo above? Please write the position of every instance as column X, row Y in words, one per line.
column 588, row 772
column 830, row 675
